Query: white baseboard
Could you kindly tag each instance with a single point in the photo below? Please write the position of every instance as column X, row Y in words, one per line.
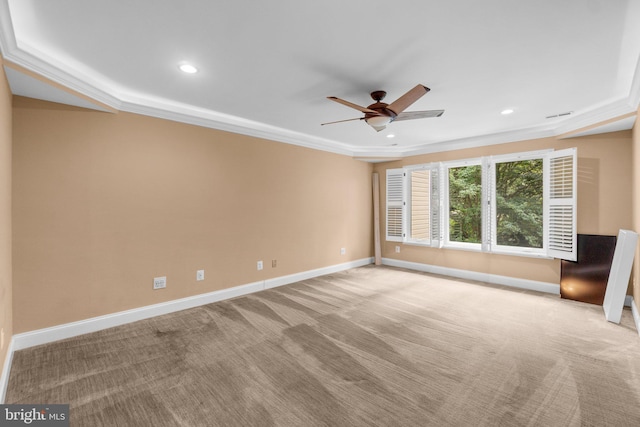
column 636, row 314
column 495, row 279
column 68, row 330
column 292, row 278
column 499, row 280
column 628, row 299
column 6, row 368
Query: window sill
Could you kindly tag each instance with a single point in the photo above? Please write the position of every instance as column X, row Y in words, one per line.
column 472, row 248
column 521, row 253
column 423, row 244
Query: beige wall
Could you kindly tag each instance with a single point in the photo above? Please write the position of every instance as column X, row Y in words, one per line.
column 635, row 186
column 103, row 203
column 6, row 310
column 604, row 203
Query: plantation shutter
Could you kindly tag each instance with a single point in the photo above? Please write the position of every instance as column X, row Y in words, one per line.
column 488, row 204
column 436, row 203
column 417, row 205
column 395, row 179
column 561, row 195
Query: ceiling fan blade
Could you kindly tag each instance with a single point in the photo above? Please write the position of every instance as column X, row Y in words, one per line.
column 410, row 115
column 400, row 104
column 352, row 105
column 340, row 121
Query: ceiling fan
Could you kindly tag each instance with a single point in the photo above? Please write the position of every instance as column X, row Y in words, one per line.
column 379, row 114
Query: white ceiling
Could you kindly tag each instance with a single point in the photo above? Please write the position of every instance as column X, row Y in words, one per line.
column 266, row 68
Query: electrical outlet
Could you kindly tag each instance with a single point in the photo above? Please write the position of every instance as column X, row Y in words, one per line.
column 159, row 282
column 200, row 275
column 343, row 251
column 260, row 266
column 397, row 249
column 274, row 263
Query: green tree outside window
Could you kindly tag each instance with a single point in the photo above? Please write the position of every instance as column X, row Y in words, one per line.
column 465, row 204
column 519, row 203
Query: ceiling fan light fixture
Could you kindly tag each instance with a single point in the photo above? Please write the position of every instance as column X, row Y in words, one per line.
column 378, row 121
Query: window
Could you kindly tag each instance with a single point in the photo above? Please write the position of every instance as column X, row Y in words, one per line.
column 519, row 208
column 518, row 204
column 464, row 213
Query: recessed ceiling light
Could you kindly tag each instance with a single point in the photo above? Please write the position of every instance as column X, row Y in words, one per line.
column 391, row 135
column 188, row 68
column 507, row 111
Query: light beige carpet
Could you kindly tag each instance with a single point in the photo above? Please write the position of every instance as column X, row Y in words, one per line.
column 372, row 346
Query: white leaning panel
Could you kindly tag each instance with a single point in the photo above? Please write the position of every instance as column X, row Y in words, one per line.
column 619, row 276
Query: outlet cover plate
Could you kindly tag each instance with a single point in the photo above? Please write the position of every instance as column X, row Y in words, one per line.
column 159, row 282
column 200, row 275
column 260, row 266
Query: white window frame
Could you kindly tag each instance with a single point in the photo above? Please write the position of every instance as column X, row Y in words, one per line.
column 492, row 226
column 436, row 192
column 559, row 204
column 448, row 243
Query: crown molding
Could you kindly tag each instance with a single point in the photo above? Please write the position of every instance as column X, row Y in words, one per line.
column 20, row 75
column 100, row 89
column 634, row 91
column 604, row 113
column 183, row 113
column 39, row 63
column 51, row 69
column 483, row 140
column 8, row 42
